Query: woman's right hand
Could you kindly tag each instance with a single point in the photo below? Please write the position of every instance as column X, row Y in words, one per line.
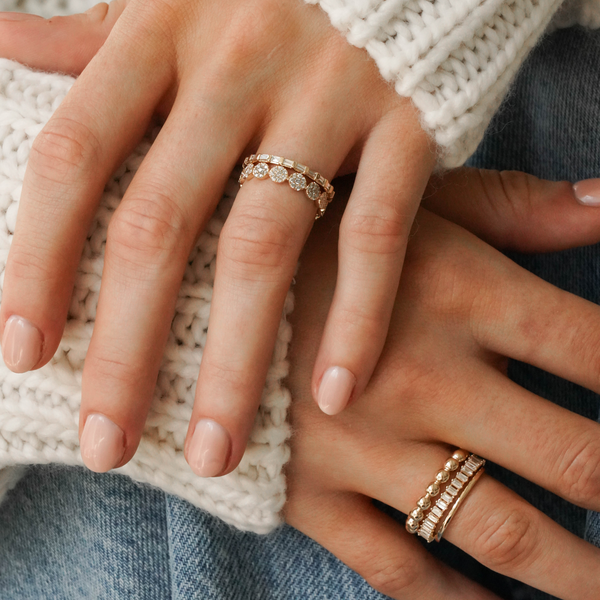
column 441, row 383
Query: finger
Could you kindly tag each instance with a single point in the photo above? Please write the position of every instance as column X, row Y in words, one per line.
column 545, row 443
column 91, row 133
column 257, row 256
column 495, row 526
column 525, row 318
column 510, row 209
column 394, row 168
column 378, row 549
column 63, row 44
column 149, row 240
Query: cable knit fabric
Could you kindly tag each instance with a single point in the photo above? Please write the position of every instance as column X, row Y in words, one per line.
column 39, row 410
column 454, row 58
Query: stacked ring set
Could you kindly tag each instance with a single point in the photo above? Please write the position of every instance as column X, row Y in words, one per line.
column 299, row 177
column 452, row 484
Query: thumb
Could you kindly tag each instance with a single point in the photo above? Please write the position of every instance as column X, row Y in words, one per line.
column 517, row 211
column 63, row 44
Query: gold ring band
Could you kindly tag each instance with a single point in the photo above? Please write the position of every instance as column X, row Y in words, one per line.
column 431, row 517
column 319, row 190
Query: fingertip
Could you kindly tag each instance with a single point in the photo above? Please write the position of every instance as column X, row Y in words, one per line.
column 22, row 344
column 335, row 390
column 102, row 443
column 209, row 449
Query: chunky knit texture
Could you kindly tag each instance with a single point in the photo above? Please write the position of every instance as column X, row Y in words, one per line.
column 39, row 410
column 454, row 58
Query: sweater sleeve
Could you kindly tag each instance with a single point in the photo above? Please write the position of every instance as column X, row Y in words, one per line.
column 39, row 410
column 454, row 58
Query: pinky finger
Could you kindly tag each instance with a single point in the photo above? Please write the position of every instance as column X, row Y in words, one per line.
column 379, row 549
column 393, row 172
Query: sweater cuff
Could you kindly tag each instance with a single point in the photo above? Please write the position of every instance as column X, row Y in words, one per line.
column 39, row 410
column 454, row 58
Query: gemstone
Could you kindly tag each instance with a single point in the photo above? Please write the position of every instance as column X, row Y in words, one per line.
column 276, row 160
column 300, row 168
column 457, row 484
column 247, row 170
column 437, row 511
column 297, row 182
column 425, row 534
column 445, row 498
column 323, row 201
column 462, row 477
column 451, row 490
column 311, row 174
column 467, row 471
column 288, row 163
column 443, row 505
column 264, row 157
column 313, row 191
column 278, row 174
column 260, row 171
column 320, row 180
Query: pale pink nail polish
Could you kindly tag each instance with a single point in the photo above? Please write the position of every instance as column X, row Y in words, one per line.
column 209, row 448
column 335, row 390
column 587, row 192
column 102, row 443
column 21, row 344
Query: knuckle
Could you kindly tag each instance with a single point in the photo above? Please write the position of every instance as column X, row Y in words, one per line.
column 375, row 233
column 579, row 471
column 394, row 578
column 508, row 541
column 148, row 226
column 25, row 264
column 64, row 148
column 254, row 245
column 111, row 365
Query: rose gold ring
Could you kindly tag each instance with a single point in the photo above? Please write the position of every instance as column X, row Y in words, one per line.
column 319, row 190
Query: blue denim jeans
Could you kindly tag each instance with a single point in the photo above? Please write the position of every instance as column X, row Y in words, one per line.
column 66, row 533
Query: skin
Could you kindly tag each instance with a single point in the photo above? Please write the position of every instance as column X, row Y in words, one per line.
column 441, row 383
column 269, row 76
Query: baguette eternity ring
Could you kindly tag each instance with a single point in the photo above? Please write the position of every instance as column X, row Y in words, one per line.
column 280, row 169
column 452, row 484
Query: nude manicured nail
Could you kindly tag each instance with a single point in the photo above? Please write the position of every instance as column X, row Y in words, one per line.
column 102, row 444
column 21, row 344
column 209, row 448
column 335, row 390
column 588, row 192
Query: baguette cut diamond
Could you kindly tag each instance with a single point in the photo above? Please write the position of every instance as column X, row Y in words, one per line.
column 462, row 477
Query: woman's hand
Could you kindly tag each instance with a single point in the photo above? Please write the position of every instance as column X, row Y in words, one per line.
column 441, row 383
column 267, row 76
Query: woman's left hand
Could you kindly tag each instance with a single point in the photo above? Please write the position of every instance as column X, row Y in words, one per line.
column 231, row 79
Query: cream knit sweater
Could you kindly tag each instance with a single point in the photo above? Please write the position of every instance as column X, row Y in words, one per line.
column 454, row 58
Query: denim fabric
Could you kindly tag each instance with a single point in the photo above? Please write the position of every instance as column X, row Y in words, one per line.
column 66, row 533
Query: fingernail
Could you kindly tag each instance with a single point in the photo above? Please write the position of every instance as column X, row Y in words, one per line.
column 335, row 390
column 16, row 16
column 209, row 448
column 102, row 444
column 21, row 344
column 588, row 192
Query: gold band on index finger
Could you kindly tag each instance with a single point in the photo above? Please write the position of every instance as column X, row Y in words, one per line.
column 320, row 191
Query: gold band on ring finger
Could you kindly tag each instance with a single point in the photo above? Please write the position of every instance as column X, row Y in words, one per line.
column 431, row 517
column 319, row 190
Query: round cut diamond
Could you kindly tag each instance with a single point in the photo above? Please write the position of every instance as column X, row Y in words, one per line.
column 297, row 182
column 278, row 174
column 313, row 191
column 260, row 171
column 247, row 171
column 323, row 201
